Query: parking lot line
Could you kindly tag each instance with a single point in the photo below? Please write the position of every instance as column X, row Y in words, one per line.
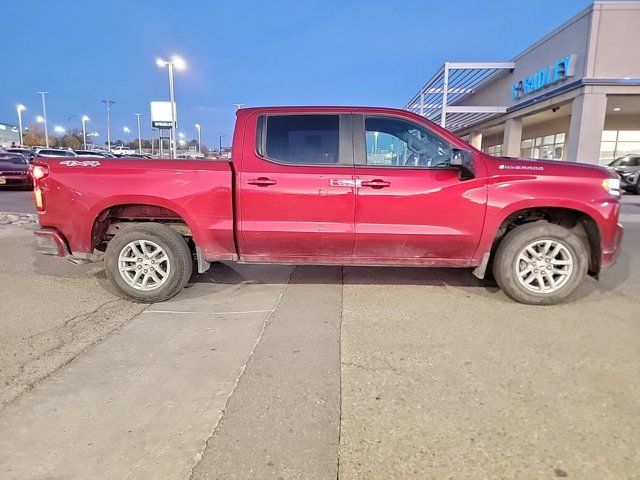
column 245, row 312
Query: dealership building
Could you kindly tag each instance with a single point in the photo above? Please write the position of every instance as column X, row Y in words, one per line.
column 573, row 95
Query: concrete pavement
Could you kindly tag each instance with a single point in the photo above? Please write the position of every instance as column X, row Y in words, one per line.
column 365, row 373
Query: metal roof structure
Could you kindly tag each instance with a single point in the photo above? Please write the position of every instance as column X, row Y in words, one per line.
column 441, row 98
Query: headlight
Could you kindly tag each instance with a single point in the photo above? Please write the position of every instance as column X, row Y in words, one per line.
column 612, row 186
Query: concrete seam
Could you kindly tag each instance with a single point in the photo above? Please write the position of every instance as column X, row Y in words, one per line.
column 179, row 312
column 265, row 324
column 340, row 372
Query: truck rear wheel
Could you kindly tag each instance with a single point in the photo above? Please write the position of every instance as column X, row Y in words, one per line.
column 148, row 262
column 540, row 263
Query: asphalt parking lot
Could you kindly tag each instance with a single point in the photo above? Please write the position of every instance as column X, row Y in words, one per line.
column 315, row 372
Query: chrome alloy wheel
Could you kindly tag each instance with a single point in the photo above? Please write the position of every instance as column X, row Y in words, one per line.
column 544, row 266
column 144, row 265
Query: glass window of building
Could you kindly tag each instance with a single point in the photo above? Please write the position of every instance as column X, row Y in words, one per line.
column 548, row 147
column 617, row 143
column 494, row 150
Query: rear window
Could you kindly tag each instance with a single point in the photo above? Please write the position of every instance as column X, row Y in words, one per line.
column 301, row 139
column 57, row 153
column 626, row 162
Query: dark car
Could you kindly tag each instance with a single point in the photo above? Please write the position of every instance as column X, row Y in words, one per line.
column 628, row 167
column 15, row 170
column 28, row 153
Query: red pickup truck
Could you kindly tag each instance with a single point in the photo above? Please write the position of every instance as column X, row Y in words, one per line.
column 333, row 186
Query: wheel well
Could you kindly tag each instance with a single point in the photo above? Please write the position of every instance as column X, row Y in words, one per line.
column 111, row 219
column 580, row 223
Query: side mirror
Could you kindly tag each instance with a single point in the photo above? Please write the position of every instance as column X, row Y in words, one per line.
column 463, row 160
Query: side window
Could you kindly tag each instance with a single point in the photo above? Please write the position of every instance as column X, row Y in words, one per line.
column 301, row 139
column 393, row 142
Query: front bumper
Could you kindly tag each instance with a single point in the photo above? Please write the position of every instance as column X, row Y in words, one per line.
column 610, row 255
column 15, row 180
column 51, row 242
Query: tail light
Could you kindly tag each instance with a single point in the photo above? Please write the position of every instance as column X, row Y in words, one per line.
column 38, row 172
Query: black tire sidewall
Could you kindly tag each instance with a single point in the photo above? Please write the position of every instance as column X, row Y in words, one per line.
column 170, row 241
column 516, row 240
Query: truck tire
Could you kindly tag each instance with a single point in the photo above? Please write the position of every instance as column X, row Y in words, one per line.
column 148, row 262
column 540, row 263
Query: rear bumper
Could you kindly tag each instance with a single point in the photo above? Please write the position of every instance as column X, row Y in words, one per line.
column 51, row 242
column 610, row 255
column 16, row 180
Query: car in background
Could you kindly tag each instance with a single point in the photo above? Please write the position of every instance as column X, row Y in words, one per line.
column 15, row 170
column 28, row 153
column 122, row 150
column 628, row 167
column 135, row 155
column 94, row 154
column 55, row 152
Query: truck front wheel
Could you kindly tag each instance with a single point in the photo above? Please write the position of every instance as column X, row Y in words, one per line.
column 540, row 263
column 148, row 262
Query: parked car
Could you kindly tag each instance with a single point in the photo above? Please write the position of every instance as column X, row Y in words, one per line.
column 28, row 153
column 122, row 150
column 94, row 154
column 55, row 152
column 628, row 167
column 15, row 170
column 134, row 155
column 334, row 186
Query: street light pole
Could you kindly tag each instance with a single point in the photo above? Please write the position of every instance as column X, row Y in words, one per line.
column 178, row 63
column 20, row 108
column 85, row 119
column 108, row 103
column 44, row 117
column 139, row 135
column 59, row 130
column 220, row 145
column 199, row 139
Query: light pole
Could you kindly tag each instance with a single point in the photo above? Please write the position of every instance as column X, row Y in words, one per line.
column 20, row 109
column 139, row 136
column 179, row 64
column 199, row 139
column 59, row 130
column 127, row 131
column 85, row 119
column 220, row 144
column 44, row 118
column 108, row 103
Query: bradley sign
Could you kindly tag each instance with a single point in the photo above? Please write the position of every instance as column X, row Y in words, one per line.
column 560, row 70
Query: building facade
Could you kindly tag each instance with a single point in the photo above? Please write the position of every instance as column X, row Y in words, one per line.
column 574, row 95
column 9, row 135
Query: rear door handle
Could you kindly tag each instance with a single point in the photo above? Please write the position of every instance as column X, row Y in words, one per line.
column 261, row 181
column 375, row 183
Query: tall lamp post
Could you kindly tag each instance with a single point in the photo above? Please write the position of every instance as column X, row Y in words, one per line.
column 179, row 64
column 199, row 139
column 139, row 135
column 108, row 103
column 20, row 109
column 85, row 119
column 220, row 144
column 127, row 131
column 44, row 118
column 60, row 131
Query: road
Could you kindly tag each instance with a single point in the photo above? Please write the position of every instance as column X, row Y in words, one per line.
column 279, row 372
column 17, row 201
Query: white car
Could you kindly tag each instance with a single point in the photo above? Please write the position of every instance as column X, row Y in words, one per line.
column 122, row 150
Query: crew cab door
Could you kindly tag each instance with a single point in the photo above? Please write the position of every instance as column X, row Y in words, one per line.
column 410, row 203
column 296, row 187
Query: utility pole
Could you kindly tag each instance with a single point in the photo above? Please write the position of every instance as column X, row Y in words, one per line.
column 44, row 117
column 220, row 145
column 108, row 103
column 139, row 135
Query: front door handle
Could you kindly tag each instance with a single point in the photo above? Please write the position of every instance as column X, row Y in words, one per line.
column 375, row 183
column 261, row 181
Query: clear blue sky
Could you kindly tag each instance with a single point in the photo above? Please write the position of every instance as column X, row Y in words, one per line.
column 276, row 52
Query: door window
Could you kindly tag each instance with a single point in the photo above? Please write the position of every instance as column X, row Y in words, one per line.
column 300, row 139
column 392, row 142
